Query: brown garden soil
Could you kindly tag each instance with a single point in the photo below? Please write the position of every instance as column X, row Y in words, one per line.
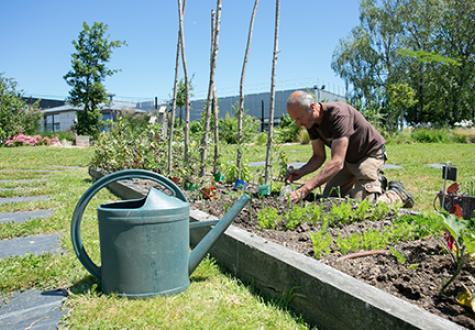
column 418, row 280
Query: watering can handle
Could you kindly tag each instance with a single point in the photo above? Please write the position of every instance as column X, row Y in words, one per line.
column 92, row 191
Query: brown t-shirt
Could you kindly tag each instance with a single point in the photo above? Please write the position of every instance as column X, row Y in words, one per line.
column 340, row 119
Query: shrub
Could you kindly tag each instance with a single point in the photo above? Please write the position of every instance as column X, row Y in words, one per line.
column 287, row 131
column 303, row 136
column 228, row 128
column 27, row 140
column 130, row 144
column 15, row 115
column 426, row 135
column 261, row 139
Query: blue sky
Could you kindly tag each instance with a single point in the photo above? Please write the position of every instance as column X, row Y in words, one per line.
column 36, row 44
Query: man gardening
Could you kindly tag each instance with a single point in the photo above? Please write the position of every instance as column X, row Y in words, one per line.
column 357, row 153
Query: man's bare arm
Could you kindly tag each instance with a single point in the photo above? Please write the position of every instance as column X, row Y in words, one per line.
column 339, row 148
column 313, row 164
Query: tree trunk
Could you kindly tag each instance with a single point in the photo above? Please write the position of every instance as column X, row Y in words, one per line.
column 187, row 96
column 204, row 142
column 171, row 124
column 241, row 89
column 268, row 167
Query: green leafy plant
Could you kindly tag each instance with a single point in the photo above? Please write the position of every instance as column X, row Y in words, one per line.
column 231, row 172
column 321, row 241
column 342, row 213
column 295, row 216
column 460, row 239
column 400, row 257
column 268, row 218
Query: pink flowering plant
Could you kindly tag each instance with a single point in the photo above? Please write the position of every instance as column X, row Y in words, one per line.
column 30, row 140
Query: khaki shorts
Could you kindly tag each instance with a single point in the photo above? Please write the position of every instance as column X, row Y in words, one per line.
column 358, row 180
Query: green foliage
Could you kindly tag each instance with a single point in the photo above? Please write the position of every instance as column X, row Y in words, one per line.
column 411, row 59
column 261, row 139
column 287, row 131
column 401, row 97
column 400, row 257
column 228, row 128
column 462, row 235
column 131, row 143
column 468, row 187
column 295, row 216
column 268, row 218
column 15, row 115
column 426, row 135
column 341, row 213
column 321, row 241
column 231, row 172
column 303, row 136
column 88, row 72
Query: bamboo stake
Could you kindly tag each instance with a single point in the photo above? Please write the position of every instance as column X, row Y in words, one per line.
column 268, row 166
column 241, row 89
column 185, row 74
column 171, row 124
column 204, row 142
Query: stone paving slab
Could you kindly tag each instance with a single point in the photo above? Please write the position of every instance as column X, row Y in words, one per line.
column 32, row 309
column 28, row 170
column 23, row 216
column 39, row 244
column 20, row 199
column 20, row 181
column 392, row 167
column 436, row 165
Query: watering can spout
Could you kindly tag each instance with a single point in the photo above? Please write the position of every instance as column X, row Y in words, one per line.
column 207, row 242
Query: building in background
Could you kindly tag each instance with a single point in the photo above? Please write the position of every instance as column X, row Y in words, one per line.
column 257, row 105
column 63, row 118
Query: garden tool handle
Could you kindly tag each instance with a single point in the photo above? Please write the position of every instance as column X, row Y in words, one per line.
column 92, row 191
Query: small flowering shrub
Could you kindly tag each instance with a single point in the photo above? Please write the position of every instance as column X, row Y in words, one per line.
column 30, row 140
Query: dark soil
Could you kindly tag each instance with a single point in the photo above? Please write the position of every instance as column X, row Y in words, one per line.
column 418, row 280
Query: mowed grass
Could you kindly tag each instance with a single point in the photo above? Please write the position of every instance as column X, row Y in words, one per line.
column 213, row 300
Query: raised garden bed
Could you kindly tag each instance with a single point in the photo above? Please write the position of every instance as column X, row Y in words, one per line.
column 325, row 296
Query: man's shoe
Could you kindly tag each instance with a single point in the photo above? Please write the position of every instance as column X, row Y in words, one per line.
column 406, row 197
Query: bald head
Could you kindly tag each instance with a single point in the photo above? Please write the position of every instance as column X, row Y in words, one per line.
column 300, row 99
column 302, row 108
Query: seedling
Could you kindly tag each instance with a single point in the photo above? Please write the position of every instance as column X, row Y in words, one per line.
column 460, row 243
column 268, row 218
column 321, row 241
column 400, row 257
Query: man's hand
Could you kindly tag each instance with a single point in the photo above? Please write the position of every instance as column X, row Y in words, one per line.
column 299, row 194
column 293, row 175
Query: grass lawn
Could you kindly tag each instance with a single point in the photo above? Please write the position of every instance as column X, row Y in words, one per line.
column 213, row 300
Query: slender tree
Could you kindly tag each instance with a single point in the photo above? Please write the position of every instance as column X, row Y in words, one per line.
column 272, row 95
column 89, row 70
column 204, row 142
column 185, row 77
column 241, row 88
column 171, row 126
column 215, row 101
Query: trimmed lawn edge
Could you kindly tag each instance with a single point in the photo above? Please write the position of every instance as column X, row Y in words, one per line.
column 324, row 296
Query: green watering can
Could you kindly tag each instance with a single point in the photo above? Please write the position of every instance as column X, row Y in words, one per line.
column 145, row 242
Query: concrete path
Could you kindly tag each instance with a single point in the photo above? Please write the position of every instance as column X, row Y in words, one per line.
column 39, row 244
column 19, row 199
column 22, row 216
column 32, row 309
